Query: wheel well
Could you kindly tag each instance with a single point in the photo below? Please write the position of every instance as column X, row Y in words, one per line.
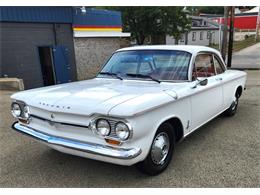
column 239, row 92
column 178, row 128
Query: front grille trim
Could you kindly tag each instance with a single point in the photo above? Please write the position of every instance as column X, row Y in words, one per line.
column 113, row 129
column 60, row 123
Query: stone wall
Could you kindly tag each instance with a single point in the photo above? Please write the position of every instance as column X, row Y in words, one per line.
column 92, row 53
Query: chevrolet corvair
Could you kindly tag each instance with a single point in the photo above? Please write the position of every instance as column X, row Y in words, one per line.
column 144, row 100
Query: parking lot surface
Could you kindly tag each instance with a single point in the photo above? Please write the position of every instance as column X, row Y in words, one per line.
column 223, row 153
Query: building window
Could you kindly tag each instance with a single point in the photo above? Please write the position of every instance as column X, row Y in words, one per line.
column 208, row 35
column 193, row 36
column 201, row 35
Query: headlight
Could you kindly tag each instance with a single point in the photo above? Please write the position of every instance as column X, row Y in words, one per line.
column 103, row 127
column 16, row 110
column 26, row 112
column 122, row 131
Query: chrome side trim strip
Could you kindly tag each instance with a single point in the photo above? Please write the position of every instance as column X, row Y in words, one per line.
column 103, row 150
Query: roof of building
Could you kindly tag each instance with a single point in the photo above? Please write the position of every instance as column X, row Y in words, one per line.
column 210, row 25
column 188, row 48
column 254, row 10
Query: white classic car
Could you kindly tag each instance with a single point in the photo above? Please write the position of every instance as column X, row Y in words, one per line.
column 143, row 101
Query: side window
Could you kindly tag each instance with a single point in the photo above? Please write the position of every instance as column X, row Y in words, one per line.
column 204, row 66
column 218, row 66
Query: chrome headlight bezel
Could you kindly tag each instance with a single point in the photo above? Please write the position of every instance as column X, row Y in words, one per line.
column 122, row 131
column 15, row 106
column 24, row 110
column 113, row 121
column 103, row 127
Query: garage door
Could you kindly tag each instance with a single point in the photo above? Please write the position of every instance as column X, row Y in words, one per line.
column 20, row 49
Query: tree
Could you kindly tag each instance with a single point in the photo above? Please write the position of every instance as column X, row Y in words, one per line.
column 178, row 22
column 144, row 22
column 211, row 9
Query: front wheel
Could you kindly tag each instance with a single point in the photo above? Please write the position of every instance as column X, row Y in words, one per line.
column 161, row 151
column 231, row 111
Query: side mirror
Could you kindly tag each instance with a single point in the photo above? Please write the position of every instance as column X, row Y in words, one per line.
column 203, row 82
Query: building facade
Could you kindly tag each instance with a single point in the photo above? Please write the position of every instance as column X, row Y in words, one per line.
column 32, row 39
column 203, row 32
column 97, row 34
column 53, row 45
column 243, row 21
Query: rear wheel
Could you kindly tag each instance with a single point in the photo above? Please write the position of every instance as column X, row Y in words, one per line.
column 161, row 151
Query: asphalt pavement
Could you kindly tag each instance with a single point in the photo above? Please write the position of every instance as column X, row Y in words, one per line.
column 248, row 58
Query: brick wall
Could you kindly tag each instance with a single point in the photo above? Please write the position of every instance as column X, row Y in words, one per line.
column 92, row 53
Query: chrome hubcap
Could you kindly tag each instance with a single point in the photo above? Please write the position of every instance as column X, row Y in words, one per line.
column 234, row 105
column 160, row 148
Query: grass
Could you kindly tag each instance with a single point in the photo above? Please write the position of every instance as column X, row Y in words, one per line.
column 238, row 45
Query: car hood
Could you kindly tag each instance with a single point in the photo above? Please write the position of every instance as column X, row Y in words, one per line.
column 102, row 96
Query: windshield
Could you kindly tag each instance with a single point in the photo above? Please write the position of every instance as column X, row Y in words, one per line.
column 157, row 65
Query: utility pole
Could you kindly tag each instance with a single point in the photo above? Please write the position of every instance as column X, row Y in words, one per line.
column 219, row 36
column 224, row 38
column 231, row 36
column 257, row 25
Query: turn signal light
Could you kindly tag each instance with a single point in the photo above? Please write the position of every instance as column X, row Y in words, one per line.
column 113, row 142
column 24, row 121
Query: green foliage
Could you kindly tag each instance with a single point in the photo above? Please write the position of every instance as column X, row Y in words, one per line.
column 210, row 9
column 145, row 22
column 177, row 22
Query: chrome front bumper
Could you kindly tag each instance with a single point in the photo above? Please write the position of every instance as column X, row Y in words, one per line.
column 108, row 151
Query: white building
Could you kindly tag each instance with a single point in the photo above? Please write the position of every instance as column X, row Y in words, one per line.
column 203, row 32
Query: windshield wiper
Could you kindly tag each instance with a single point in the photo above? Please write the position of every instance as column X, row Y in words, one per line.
column 143, row 76
column 111, row 74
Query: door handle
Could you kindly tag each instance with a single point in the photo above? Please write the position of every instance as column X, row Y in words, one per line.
column 219, row 79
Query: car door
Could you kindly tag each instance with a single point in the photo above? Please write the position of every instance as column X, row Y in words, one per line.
column 224, row 77
column 207, row 100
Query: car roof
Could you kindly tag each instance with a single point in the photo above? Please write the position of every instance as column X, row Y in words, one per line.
column 193, row 49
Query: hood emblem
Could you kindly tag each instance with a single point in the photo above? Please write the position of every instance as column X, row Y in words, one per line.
column 57, row 106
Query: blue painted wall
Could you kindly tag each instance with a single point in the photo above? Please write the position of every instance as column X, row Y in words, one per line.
column 96, row 17
column 36, row 14
column 71, row 15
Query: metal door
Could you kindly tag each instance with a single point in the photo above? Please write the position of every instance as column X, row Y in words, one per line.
column 61, row 64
